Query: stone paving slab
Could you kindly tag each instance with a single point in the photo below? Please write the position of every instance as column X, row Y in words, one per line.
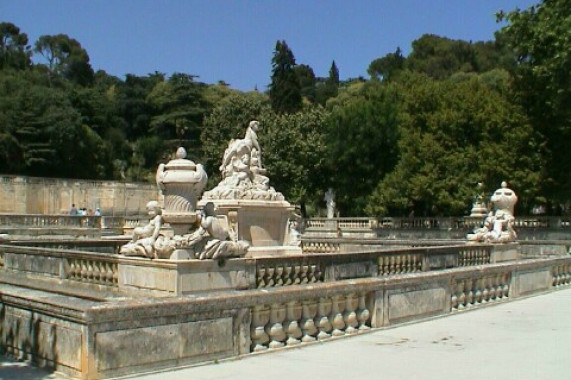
column 526, row 339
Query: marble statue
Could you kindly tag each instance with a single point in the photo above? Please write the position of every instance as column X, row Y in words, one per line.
column 143, row 241
column 294, row 233
column 330, row 202
column 479, row 208
column 213, row 239
column 498, row 225
column 243, row 175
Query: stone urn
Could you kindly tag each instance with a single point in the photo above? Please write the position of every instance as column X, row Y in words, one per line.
column 181, row 182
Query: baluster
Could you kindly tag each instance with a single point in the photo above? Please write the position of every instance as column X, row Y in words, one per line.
column 506, row 287
column 499, row 291
column 478, row 295
column 297, row 275
column 303, row 274
column 493, row 282
column 260, row 317
column 392, row 265
column 115, row 273
column 454, row 297
column 269, row 279
column 260, row 277
column 71, row 269
column 409, row 266
column 275, row 328
column 110, row 273
column 322, row 319
column 485, row 290
column 96, row 272
column 336, row 317
column 83, row 269
column 278, row 275
column 350, row 316
column 470, row 294
column 287, row 276
column 292, row 328
column 461, row 294
column 363, row 313
column 309, row 309
column 398, row 264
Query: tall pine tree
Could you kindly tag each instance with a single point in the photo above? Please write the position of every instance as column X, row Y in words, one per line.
column 285, row 89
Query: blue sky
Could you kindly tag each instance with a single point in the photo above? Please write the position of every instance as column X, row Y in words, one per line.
column 234, row 40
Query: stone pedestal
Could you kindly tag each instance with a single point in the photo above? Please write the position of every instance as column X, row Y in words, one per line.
column 262, row 223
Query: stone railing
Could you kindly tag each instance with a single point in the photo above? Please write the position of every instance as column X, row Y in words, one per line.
column 237, row 322
column 343, row 223
column 474, row 255
column 400, row 263
column 561, row 275
column 301, row 321
column 422, row 223
column 320, row 246
column 372, row 262
column 77, row 266
column 40, row 221
column 476, row 290
column 288, row 272
column 92, row 271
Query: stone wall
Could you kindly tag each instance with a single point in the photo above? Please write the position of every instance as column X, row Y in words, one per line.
column 32, row 195
column 94, row 338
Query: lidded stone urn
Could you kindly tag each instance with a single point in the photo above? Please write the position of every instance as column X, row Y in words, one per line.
column 181, row 182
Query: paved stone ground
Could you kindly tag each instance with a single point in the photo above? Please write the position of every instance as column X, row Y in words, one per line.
column 526, row 339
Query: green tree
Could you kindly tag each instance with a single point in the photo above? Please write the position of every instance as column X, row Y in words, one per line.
column 541, row 38
column 453, row 135
column 387, row 67
column 295, row 155
column 131, row 97
column 178, row 107
column 307, row 81
column 328, row 88
column 14, row 50
column 65, row 58
column 285, row 89
column 362, row 138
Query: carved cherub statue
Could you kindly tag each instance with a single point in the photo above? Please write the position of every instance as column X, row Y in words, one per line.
column 144, row 237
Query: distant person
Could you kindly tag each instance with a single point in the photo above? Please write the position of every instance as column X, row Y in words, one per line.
column 97, row 211
column 73, row 210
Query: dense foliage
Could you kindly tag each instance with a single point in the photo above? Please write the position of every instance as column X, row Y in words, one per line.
column 416, row 137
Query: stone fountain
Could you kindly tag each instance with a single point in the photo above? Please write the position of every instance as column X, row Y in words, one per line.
column 498, row 225
column 242, row 215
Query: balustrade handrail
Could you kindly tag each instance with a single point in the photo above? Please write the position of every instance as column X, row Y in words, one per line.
column 466, row 222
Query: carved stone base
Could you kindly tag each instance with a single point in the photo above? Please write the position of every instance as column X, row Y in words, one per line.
column 262, row 223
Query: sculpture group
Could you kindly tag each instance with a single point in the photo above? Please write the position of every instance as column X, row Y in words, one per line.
column 498, row 226
column 206, row 233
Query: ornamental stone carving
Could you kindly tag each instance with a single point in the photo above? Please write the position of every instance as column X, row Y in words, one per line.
column 181, row 181
column 498, row 225
column 243, row 176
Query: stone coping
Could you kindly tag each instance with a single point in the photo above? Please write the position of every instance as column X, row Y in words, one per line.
column 75, row 304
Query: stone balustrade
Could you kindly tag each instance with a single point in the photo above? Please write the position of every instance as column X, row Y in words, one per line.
column 315, row 246
column 288, row 272
column 92, row 271
column 94, row 338
column 400, row 263
column 423, row 223
column 474, row 255
column 39, row 220
column 477, row 290
column 561, row 275
column 302, row 321
column 72, row 265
